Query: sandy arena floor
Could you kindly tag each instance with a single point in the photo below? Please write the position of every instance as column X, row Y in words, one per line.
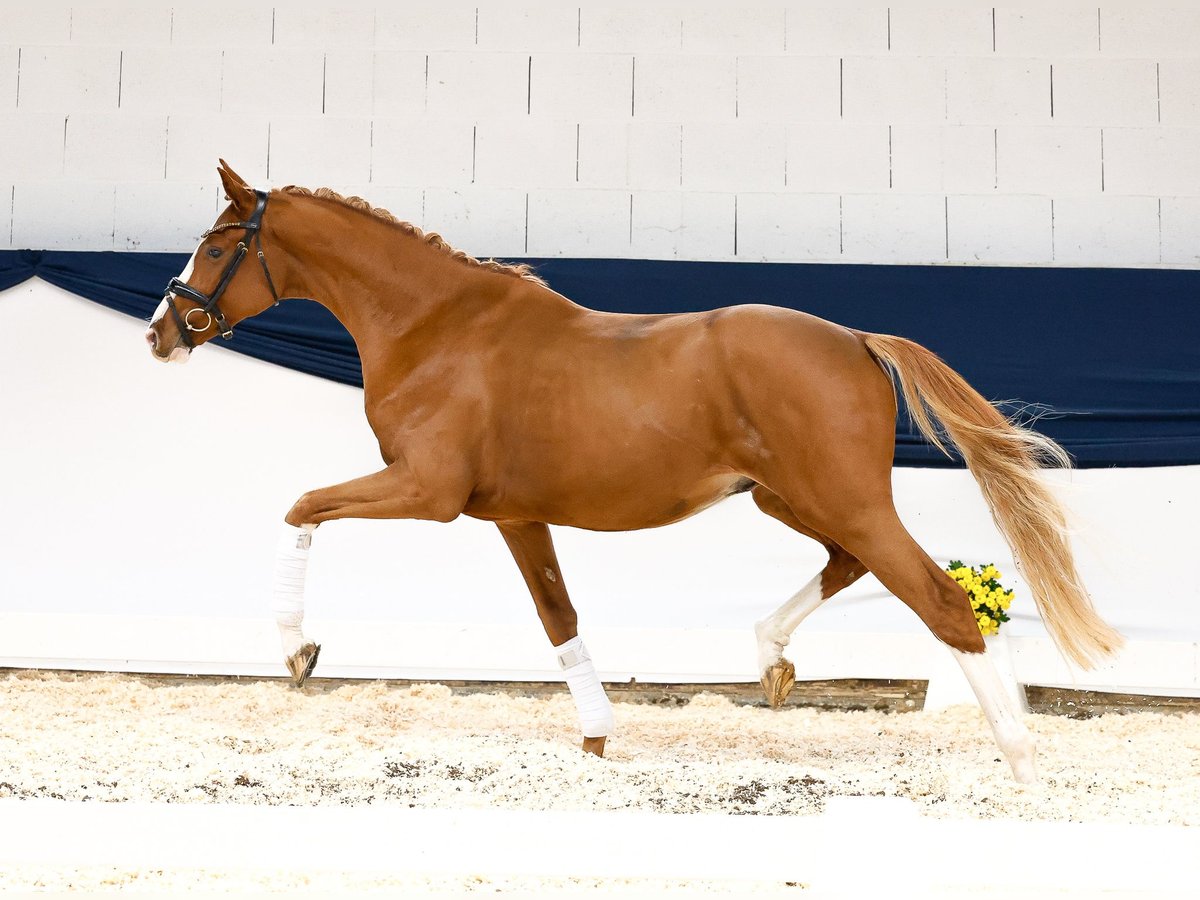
column 116, row 737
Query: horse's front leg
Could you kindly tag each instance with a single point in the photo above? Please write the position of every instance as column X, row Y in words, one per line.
column 394, row 493
column 534, row 552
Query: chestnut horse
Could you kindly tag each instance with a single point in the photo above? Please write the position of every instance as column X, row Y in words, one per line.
column 495, row 397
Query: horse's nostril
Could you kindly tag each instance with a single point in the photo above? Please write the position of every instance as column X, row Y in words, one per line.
column 151, row 338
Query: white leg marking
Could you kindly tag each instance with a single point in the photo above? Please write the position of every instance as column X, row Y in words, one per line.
column 775, row 631
column 287, row 598
column 595, row 712
column 1014, row 739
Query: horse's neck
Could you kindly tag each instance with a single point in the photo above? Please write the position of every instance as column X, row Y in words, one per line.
column 395, row 294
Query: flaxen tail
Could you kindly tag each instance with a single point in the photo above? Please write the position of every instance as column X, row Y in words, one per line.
column 1005, row 458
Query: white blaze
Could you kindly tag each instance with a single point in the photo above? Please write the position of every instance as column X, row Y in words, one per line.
column 178, row 354
column 183, row 276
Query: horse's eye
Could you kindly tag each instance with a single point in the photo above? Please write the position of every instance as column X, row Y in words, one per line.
column 214, row 252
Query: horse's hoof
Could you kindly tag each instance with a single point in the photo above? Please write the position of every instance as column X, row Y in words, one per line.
column 778, row 682
column 594, row 745
column 302, row 662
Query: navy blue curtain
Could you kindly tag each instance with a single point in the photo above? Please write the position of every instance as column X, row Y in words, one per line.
column 1108, row 358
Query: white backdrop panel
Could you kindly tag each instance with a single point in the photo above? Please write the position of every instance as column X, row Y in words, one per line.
column 132, row 490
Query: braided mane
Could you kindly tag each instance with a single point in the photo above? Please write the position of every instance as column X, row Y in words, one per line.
column 517, row 270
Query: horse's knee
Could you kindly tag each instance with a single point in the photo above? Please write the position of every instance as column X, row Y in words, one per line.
column 303, row 511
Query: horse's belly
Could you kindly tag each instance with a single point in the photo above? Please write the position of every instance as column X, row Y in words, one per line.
column 617, row 507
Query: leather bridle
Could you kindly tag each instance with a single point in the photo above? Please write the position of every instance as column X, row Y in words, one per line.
column 207, row 304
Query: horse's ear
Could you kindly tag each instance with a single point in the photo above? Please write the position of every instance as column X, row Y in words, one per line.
column 236, row 189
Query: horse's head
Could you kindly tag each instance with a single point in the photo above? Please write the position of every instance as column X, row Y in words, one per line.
column 216, row 291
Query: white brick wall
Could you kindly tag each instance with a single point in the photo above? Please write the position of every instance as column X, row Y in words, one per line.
column 685, row 88
column 422, row 152
column 835, row 29
column 8, row 77
column 38, row 154
column 1106, row 92
column 1047, row 160
column 1121, row 230
column 788, row 227
column 1048, row 30
column 951, row 159
column 691, row 225
column 578, row 222
column 998, row 229
column 787, row 130
column 893, row 228
column 6, row 200
column 1180, row 231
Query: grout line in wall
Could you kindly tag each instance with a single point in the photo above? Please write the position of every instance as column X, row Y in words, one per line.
column 374, row 28
column 272, row 26
column 526, row 223
column 1052, row 90
column 993, row 29
column 423, row 193
column 576, row 152
column 375, row 81
column 631, row 219
column 12, row 212
column 1158, row 89
column 889, row 157
column 785, row 29
column 120, row 76
column 681, row 156
column 529, row 87
column 841, row 229
column 474, row 134
column 735, row 224
column 578, row 26
column 889, row 27
column 946, row 220
column 71, row 24
column 681, row 34
column 114, row 217
column 18, row 77
column 171, row 30
column 633, row 88
column 425, row 100
column 66, row 119
column 371, row 152
column 1160, row 229
column 166, row 147
column 324, row 71
column 1099, row 45
column 268, row 151
column 995, row 159
column 785, row 157
column 1101, row 160
column 1052, row 248
column 841, row 87
column 221, row 85
column 477, row 26
column 736, row 61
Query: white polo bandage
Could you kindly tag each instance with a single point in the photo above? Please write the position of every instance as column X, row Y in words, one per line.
column 287, row 598
column 595, row 712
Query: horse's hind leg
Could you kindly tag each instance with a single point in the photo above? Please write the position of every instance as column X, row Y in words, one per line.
column 533, row 551
column 777, row 673
column 878, row 538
